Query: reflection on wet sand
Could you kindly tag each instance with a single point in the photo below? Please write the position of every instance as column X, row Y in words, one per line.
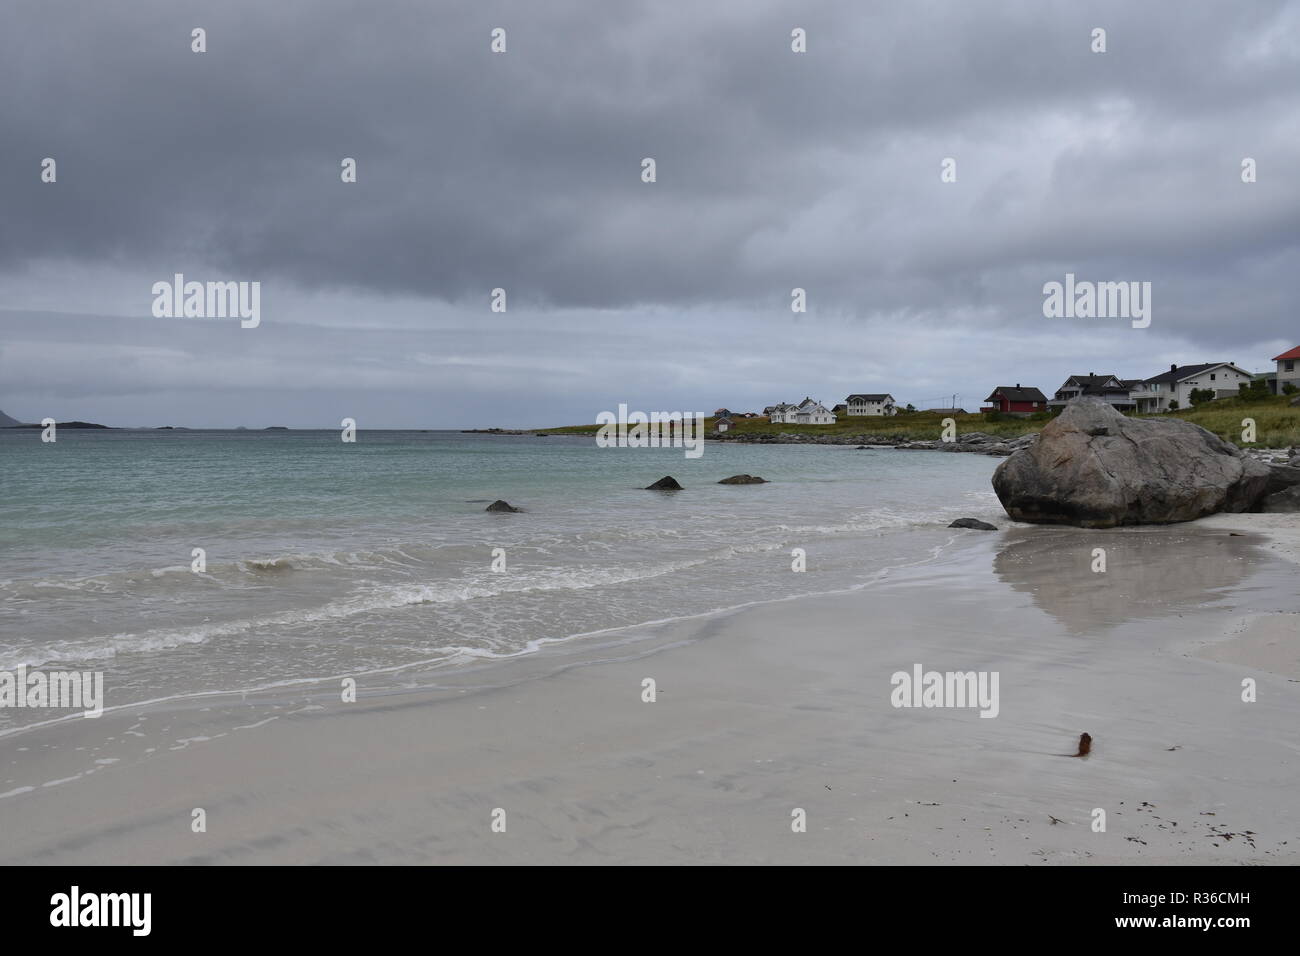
column 1148, row 572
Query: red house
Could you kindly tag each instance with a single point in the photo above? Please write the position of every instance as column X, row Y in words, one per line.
column 1016, row 400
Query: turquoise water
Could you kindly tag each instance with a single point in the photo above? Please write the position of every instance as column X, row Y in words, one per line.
column 325, row 558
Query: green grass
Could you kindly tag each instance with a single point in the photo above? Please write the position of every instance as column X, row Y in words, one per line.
column 914, row 426
column 1277, row 424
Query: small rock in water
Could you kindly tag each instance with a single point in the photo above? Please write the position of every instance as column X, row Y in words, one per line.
column 666, row 483
column 973, row 523
column 502, row 506
column 743, row 480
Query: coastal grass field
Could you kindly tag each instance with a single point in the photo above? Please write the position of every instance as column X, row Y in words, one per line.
column 1277, row 424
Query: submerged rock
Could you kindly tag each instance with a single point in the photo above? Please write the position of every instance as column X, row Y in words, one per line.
column 743, row 480
column 974, row 523
column 1094, row 468
column 503, row 507
column 666, row 483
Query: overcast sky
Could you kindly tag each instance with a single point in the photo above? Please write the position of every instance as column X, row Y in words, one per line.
column 522, row 170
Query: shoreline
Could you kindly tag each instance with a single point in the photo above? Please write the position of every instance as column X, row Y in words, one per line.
column 760, row 710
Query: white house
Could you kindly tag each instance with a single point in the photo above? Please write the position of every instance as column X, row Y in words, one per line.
column 875, row 404
column 811, row 412
column 1288, row 369
column 1156, row 394
column 780, row 413
column 807, row 412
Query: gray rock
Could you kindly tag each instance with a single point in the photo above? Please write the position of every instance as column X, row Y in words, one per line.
column 1287, row 500
column 743, row 480
column 1095, row 468
column 974, row 523
column 666, row 483
column 502, row 507
column 1281, row 477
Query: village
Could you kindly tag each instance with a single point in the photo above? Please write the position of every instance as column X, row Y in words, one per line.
column 1179, row 387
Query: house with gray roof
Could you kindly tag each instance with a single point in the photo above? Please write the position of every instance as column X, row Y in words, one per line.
column 871, row 403
column 1159, row 392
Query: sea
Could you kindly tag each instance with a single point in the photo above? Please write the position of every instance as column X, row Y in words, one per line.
column 323, row 559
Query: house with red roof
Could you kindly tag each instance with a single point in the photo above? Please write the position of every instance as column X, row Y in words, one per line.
column 1288, row 369
column 1016, row 401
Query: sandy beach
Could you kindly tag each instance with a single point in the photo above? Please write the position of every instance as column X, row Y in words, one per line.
column 759, row 713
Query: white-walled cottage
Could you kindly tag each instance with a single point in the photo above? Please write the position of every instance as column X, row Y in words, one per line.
column 1155, row 394
column 878, row 403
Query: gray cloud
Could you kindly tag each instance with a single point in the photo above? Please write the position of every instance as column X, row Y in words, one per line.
column 522, row 171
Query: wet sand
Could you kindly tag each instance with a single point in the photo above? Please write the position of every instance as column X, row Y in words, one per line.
column 759, row 713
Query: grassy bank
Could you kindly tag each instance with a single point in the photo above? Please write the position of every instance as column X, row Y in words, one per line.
column 1277, row 424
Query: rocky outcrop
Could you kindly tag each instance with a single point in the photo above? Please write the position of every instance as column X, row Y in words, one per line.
column 973, row 523
column 1286, row 500
column 502, row 507
column 1095, row 468
column 1281, row 477
column 666, row 483
column 977, row 442
column 743, row 480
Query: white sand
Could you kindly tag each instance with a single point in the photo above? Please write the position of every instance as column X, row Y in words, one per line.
column 1268, row 641
column 759, row 712
column 1282, row 530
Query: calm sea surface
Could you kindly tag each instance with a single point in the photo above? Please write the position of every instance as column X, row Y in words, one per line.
column 325, row 558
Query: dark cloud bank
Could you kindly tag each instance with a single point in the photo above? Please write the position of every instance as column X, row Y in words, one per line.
column 522, row 171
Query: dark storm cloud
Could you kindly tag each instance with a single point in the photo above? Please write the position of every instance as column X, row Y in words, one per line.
column 775, row 170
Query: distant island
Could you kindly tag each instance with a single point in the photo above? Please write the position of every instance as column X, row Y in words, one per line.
column 64, row 425
column 8, row 422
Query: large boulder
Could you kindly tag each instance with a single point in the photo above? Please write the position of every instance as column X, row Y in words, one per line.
column 1095, row 468
column 666, row 483
column 743, row 480
column 502, row 507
